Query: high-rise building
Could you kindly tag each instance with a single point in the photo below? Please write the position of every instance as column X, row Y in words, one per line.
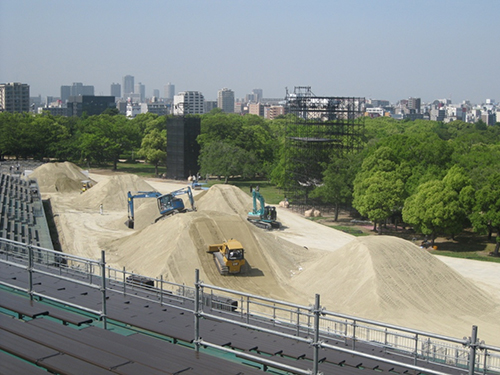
column 116, row 90
column 414, row 104
column 156, row 93
column 188, row 102
column 128, row 85
column 140, row 89
column 257, row 94
column 225, row 100
column 89, row 104
column 14, row 97
column 182, row 148
column 76, row 89
column 169, row 91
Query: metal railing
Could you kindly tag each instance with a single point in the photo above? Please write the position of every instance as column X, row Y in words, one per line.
column 310, row 324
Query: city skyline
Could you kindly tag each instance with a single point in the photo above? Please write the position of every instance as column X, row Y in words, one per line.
column 382, row 50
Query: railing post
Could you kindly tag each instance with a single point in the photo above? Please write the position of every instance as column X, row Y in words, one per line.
column 197, row 310
column 316, row 344
column 124, row 281
column 161, row 290
column 103, row 289
column 30, row 270
column 472, row 353
column 416, row 350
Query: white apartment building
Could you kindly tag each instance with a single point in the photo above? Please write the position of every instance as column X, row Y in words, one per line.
column 189, row 102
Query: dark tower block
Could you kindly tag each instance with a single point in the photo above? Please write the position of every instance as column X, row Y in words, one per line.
column 182, row 148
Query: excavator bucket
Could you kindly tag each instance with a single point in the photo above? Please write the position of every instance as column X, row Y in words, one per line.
column 130, row 223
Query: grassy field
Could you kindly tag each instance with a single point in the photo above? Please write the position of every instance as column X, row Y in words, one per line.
column 467, row 245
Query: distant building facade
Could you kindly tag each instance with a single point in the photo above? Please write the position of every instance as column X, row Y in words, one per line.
column 14, row 97
column 225, row 100
column 128, row 85
column 76, row 89
column 209, row 105
column 169, row 91
column 274, row 111
column 140, row 90
column 91, row 105
column 189, row 102
column 256, row 109
column 116, row 90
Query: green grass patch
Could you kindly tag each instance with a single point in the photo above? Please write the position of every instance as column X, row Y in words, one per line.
column 350, row 230
column 139, row 169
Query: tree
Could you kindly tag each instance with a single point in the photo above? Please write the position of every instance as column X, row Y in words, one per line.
column 338, row 180
column 105, row 138
column 440, row 206
column 379, row 186
column 486, row 214
column 153, row 148
column 222, row 159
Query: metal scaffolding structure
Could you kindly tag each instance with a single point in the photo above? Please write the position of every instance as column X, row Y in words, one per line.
column 320, row 128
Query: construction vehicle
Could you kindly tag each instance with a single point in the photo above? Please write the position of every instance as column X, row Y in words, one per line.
column 168, row 204
column 86, row 185
column 197, row 185
column 265, row 216
column 229, row 257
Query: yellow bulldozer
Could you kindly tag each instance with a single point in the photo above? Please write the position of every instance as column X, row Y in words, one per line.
column 229, row 257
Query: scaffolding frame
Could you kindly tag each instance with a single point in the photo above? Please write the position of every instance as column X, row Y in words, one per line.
column 318, row 129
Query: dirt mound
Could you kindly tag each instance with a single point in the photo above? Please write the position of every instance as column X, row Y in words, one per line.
column 177, row 245
column 225, row 198
column 112, row 193
column 390, row 279
column 59, row 177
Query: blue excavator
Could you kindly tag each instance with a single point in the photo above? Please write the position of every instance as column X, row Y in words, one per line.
column 168, row 204
column 265, row 216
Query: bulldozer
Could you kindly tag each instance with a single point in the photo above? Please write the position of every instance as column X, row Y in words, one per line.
column 229, row 257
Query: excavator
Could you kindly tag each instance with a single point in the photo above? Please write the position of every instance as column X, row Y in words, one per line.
column 265, row 216
column 168, row 204
column 229, row 257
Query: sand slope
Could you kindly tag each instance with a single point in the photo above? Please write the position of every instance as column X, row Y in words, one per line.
column 59, row 177
column 376, row 277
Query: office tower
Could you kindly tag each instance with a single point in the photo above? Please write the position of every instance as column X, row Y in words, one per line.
column 116, row 90
column 128, row 86
column 414, row 104
column 257, row 94
column 169, row 91
column 188, row 102
column 91, row 105
column 156, row 93
column 76, row 89
column 225, row 100
column 140, row 89
column 14, row 97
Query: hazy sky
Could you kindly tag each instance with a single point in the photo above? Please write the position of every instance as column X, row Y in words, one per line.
column 380, row 49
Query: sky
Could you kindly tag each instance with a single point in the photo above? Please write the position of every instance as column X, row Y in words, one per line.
column 377, row 49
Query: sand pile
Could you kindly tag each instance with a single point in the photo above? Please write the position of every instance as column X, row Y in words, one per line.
column 392, row 280
column 225, row 198
column 112, row 193
column 177, row 245
column 59, row 177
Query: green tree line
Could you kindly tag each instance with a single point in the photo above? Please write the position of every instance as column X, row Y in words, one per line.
column 437, row 177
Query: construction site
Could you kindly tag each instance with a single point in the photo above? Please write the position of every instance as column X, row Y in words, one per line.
column 377, row 278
